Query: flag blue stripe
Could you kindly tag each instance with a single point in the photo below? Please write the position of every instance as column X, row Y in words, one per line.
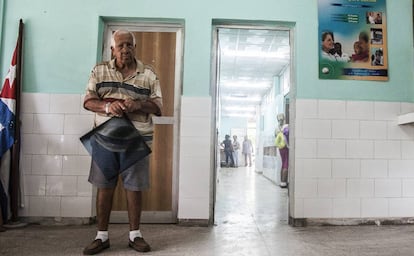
column 7, row 133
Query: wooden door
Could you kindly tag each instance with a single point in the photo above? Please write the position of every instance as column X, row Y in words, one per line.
column 157, row 49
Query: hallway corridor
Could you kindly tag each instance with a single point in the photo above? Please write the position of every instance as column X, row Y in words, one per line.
column 246, row 198
column 251, row 220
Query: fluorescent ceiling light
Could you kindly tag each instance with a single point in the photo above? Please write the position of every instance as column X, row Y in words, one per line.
column 238, row 98
column 240, row 115
column 244, row 84
column 256, row 40
column 278, row 54
column 240, row 108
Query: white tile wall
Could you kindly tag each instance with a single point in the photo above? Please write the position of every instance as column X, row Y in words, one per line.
column 388, row 188
column 314, row 168
column 345, row 129
column 48, row 123
column 318, row 208
column 346, row 208
column 360, row 110
column 331, row 109
column 360, row 149
column 407, row 147
column 360, row 188
column 194, row 184
column 408, row 188
column 386, row 110
column 47, row 164
column 44, row 206
column 76, row 206
column 401, row 207
column 54, row 165
column 376, row 130
column 332, row 188
column 352, row 160
column 61, row 185
column 345, row 168
column 374, row 208
column 374, row 168
column 34, row 185
column 401, row 168
column 327, row 148
column 195, row 155
column 315, row 128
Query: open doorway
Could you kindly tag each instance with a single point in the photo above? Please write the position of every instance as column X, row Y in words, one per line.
column 252, row 85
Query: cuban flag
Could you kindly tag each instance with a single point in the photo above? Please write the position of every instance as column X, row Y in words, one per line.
column 8, row 107
column 7, row 128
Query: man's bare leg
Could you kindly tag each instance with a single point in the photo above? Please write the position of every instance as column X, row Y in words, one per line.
column 134, row 202
column 136, row 241
column 104, row 207
column 103, row 212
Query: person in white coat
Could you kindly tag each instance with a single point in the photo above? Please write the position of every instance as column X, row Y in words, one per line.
column 247, row 151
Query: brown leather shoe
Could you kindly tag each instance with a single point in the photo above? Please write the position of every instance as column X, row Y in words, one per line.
column 139, row 245
column 95, row 247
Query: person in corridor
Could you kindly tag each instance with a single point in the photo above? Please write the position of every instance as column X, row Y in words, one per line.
column 122, row 87
column 282, row 143
column 247, row 151
column 236, row 149
column 228, row 150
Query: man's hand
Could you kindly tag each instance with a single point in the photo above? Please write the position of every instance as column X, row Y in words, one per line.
column 120, row 107
column 117, row 108
column 132, row 105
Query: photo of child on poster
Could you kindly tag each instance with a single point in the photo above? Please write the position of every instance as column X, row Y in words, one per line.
column 352, row 40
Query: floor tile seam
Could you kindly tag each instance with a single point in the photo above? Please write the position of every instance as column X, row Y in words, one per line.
column 262, row 238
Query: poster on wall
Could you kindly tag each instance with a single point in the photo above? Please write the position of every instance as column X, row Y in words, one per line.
column 353, row 40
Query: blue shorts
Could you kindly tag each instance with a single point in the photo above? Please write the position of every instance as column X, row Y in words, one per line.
column 135, row 178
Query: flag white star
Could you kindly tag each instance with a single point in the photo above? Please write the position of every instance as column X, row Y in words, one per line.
column 11, row 75
column 1, row 127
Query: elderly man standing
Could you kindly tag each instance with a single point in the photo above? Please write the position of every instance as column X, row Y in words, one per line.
column 122, row 87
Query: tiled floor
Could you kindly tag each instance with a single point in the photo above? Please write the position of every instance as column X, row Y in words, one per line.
column 251, row 219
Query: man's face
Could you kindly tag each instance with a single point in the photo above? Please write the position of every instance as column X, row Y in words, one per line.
column 124, row 49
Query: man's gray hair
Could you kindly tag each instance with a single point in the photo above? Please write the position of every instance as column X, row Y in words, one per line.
column 122, row 32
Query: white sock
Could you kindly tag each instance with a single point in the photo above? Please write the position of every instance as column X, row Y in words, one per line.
column 103, row 235
column 133, row 234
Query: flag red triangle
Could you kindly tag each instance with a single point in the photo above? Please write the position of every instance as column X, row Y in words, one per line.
column 8, row 91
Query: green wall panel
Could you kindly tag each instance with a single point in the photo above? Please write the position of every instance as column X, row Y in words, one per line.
column 62, row 42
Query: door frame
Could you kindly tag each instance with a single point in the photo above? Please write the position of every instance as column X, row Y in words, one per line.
column 214, row 90
column 146, row 25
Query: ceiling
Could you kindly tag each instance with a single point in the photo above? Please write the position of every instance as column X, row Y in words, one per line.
column 249, row 61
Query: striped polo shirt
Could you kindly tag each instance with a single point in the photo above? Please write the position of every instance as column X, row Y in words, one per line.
column 107, row 84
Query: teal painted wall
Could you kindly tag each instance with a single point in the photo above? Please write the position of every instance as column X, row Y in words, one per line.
column 1, row 19
column 61, row 43
column 231, row 123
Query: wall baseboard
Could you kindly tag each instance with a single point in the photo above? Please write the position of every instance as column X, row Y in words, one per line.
column 194, row 222
column 302, row 222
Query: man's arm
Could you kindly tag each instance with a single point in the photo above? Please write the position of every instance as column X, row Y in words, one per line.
column 149, row 107
column 119, row 107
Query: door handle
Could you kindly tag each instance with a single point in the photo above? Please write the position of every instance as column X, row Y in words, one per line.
column 163, row 119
